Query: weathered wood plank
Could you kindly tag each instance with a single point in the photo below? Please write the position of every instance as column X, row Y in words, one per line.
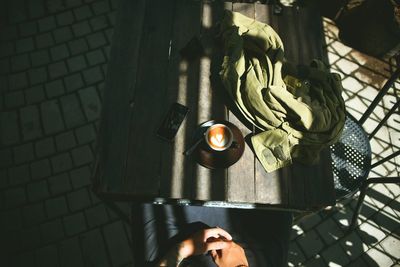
column 210, row 184
column 148, row 103
column 270, row 187
column 240, row 184
column 177, row 170
column 123, row 64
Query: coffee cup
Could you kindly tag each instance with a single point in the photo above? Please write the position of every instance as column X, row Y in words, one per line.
column 219, row 137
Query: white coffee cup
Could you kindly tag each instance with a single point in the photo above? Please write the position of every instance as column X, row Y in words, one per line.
column 219, row 137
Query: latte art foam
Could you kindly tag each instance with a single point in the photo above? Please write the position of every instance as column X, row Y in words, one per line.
column 217, row 137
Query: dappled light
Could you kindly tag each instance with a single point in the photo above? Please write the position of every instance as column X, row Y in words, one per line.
column 376, row 241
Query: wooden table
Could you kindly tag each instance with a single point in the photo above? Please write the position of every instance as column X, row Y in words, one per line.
column 147, row 73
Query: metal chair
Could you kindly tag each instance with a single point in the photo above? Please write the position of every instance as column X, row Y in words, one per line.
column 351, row 155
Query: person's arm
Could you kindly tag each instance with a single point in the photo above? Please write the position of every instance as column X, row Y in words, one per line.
column 199, row 243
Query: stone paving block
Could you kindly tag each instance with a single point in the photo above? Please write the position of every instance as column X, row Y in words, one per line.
column 28, row 28
column 12, row 239
column 74, row 223
column 33, row 214
column 23, row 153
column 65, row 141
column 6, row 158
column 335, row 254
column 99, row 23
column 329, row 231
column 82, row 155
column 73, row 82
column 31, row 239
column 375, row 257
column 51, row 231
column 11, row 220
column 357, row 263
column 78, row 46
column 100, row 7
column 5, row 66
column 73, row 3
column 40, row 169
column 14, row 197
column 30, row 123
column 57, row 69
column 9, row 33
column 59, row 52
column 45, row 147
column 72, row 111
column 62, row 35
column 65, row 18
column 61, row 162
column 59, row 184
column 44, row 40
column 91, row 103
column 37, row 75
column 55, row 6
column 93, row 249
column 117, row 243
column 81, row 29
column 6, row 49
column 96, row 216
column 47, row 256
column 14, row 99
column 56, row 207
column 37, row 190
column 34, row 94
column 295, row 255
column 79, row 199
column 95, row 57
column 316, row 261
column 85, row 134
column 3, row 179
column 40, row 58
column 70, row 253
column 51, row 117
column 18, row 81
column 4, row 86
column 310, row 221
column 47, row 24
column 36, row 8
column 25, row 45
column 20, row 62
column 96, row 40
column 311, row 243
column 54, row 88
column 83, row 12
column 391, row 245
column 77, row 63
column 80, row 177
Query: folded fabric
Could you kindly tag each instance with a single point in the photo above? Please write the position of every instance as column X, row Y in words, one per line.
column 300, row 112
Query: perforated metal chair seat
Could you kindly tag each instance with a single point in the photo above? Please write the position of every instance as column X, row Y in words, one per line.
column 351, row 159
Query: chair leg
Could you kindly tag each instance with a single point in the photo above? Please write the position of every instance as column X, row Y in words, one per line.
column 363, row 191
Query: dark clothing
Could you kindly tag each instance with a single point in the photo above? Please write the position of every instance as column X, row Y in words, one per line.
column 263, row 234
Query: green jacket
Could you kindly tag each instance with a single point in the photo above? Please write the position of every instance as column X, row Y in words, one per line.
column 300, row 112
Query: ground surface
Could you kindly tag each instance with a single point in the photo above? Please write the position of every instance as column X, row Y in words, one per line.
column 53, row 59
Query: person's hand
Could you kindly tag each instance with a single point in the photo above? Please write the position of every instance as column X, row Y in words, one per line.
column 198, row 243
column 231, row 256
column 204, row 241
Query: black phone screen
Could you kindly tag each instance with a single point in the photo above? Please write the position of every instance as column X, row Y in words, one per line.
column 172, row 121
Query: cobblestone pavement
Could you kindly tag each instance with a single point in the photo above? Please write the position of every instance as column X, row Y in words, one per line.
column 53, row 57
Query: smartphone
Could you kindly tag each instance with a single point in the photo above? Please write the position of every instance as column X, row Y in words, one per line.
column 172, row 121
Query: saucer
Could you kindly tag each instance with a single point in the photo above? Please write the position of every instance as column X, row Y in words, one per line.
column 212, row 159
